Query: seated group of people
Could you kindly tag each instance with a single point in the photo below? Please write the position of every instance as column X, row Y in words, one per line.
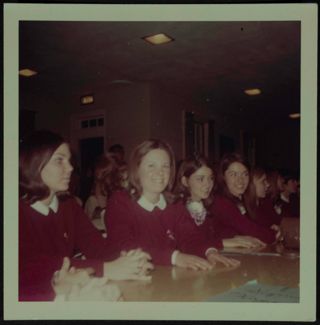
column 154, row 216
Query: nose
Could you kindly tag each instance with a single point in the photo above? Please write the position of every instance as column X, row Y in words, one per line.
column 69, row 167
column 208, row 182
column 240, row 179
column 159, row 171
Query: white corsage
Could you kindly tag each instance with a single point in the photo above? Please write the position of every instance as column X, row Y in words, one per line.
column 242, row 208
column 197, row 211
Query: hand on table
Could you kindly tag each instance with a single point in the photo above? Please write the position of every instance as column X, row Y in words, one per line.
column 96, row 289
column 132, row 265
column 67, row 276
column 192, row 262
column 278, row 231
column 243, row 241
column 215, row 257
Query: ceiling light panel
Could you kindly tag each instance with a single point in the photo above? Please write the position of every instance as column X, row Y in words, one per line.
column 253, row 91
column 158, row 39
column 27, row 72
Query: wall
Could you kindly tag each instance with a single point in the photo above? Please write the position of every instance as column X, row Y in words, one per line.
column 125, row 108
column 166, row 118
column 52, row 110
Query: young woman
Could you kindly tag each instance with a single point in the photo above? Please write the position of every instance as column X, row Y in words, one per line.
column 260, row 207
column 143, row 218
column 107, row 179
column 229, row 208
column 289, row 195
column 194, row 185
column 51, row 228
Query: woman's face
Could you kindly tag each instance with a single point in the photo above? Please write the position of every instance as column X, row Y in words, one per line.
column 56, row 173
column 261, row 185
column 291, row 186
column 154, row 172
column 237, row 178
column 200, row 183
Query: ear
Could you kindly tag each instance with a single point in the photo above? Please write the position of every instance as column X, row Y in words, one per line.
column 184, row 181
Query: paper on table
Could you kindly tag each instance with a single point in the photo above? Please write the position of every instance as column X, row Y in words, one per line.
column 256, row 292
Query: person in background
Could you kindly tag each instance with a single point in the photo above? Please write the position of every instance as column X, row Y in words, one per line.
column 260, row 207
column 118, row 151
column 228, row 207
column 289, row 194
column 107, row 179
column 193, row 188
column 74, row 185
column 143, row 216
column 51, row 228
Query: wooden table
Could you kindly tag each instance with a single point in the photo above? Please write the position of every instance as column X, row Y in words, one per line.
column 178, row 284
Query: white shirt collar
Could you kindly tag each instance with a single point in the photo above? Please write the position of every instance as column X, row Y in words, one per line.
column 44, row 209
column 283, row 198
column 144, row 203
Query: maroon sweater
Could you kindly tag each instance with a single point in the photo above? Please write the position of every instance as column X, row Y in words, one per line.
column 229, row 221
column 291, row 209
column 45, row 240
column 207, row 228
column 266, row 214
column 158, row 232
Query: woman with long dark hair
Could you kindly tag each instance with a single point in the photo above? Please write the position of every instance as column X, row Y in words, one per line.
column 229, row 208
column 52, row 228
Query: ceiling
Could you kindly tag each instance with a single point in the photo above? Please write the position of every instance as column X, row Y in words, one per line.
column 208, row 63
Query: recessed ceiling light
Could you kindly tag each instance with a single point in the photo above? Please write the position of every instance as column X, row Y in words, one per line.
column 158, row 39
column 27, row 72
column 253, row 91
column 294, row 115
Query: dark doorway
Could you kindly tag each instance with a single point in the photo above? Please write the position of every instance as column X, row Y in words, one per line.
column 90, row 150
column 226, row 145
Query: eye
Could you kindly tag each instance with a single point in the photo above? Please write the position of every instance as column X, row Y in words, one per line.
column 58, row 160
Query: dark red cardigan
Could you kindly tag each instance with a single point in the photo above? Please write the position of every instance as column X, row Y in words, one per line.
column 159, row 232
column 45, row 240
column 229, row 221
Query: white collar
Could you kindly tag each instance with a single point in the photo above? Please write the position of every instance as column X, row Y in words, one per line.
column 283, row 198
column 144, row 203
column 44, row 209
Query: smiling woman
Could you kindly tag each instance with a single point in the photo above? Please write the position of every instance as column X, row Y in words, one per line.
column 145, row 218
column 228, row 208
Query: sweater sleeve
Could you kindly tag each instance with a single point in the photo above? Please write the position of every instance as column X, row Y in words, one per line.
column 119, row 224
column 266, row 214
column 89, row 240
column 228, row 215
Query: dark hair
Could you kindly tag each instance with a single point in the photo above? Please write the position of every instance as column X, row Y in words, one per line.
column 107, row 175
column 186, row 168
column 250, row 196
column 288, row 175
column 224, row 164
column 272, row 178
column 34, row 153
column 135, row 160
